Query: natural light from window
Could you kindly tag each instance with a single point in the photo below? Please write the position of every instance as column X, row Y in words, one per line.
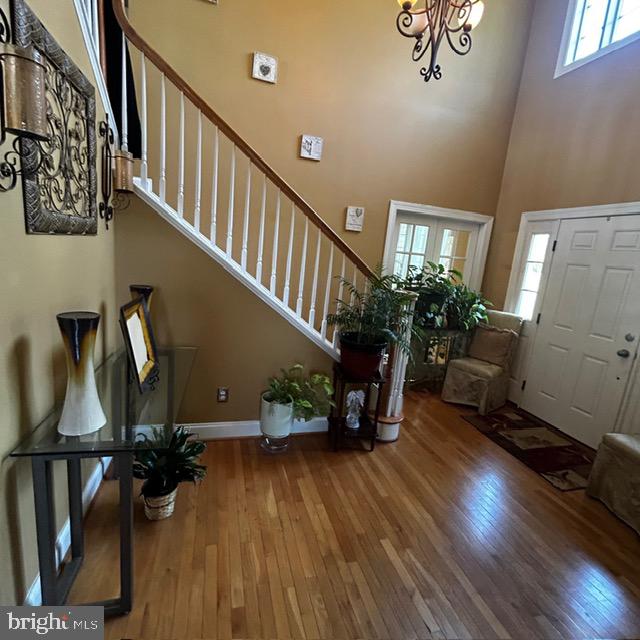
column 599, row 24
column 532, row 275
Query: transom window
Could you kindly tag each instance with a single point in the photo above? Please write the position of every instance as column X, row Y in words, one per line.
column 596, row 26
column 532, row 275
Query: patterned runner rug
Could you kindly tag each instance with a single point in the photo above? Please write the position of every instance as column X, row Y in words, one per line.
column 558, row 458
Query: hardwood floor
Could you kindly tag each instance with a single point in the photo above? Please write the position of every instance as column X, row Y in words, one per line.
column 440, row 535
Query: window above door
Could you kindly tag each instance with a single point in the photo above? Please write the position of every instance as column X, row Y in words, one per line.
column 594, row 28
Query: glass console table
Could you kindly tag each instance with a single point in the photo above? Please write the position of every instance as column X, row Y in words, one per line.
column 129, row 414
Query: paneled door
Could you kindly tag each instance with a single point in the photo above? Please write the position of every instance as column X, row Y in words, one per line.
column 587, row 336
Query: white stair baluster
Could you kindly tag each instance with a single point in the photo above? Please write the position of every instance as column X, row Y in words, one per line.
column 263, row 207
column 196, row 213
column 163, row 139
column 343, row 272
column 327, row 293
column 354, row 282
column 232, row 199
column 124, row 101
column 314, row 286
column 144, row 166
column 214, row 188
column 303, row 267
column 274, row 255
column 95, row 26
column 245, row 222
column 287, row 278
column 181, row 160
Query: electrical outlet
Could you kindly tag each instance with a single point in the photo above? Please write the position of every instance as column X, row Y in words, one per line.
column 223, row 394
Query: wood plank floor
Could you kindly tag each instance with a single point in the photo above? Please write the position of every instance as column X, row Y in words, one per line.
column 440, row 535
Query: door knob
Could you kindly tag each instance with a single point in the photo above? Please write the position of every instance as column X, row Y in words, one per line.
column 629, row 337
column 624, row 353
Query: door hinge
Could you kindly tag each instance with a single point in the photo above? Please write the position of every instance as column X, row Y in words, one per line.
column 538, row 318
column 555, row 244
column 524, row 384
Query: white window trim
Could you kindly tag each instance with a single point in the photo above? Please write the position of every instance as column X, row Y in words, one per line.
column 561, row 67
column 484, row 234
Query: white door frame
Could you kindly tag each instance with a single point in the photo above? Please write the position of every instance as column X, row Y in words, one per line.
column 484, row 235
column 628, row 420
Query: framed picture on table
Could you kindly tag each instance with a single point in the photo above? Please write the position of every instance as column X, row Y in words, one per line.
column 140, row 343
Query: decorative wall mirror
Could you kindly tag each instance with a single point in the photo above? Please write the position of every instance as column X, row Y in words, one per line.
column 58, row 175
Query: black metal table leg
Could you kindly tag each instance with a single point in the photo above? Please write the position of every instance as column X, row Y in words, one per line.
column 74, row 481
column 45, row 528
column 126, row 531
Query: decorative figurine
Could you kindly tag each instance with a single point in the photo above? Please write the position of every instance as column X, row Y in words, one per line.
column 355, row 402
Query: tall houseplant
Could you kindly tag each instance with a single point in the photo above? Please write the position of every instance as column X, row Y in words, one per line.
column 370, row 321
column 163, row 462
column 292, row 395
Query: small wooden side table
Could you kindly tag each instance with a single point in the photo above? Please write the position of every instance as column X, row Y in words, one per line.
column 339, row 433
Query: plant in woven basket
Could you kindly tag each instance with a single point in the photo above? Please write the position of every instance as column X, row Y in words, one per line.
column 164, row 461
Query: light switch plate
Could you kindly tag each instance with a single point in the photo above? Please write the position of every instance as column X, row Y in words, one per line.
column 223, row 394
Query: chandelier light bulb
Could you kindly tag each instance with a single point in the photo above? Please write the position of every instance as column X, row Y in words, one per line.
column 472, row 20
column 407, row 4
column 419, row 23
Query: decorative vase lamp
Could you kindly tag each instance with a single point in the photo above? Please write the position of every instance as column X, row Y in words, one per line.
column 144, row 290
column 82, row 412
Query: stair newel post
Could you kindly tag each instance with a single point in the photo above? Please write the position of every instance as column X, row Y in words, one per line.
column 303, row 268
column 287, row 278
column 245, row 222
column 196, row 213
column 163, row 138
column 232, row 197
column 393, row 392
column 144, row 167
column 327, row 293
column 181, row 159
column 314, row 286
column 263, row 207
column 214, row 188
column 343, row 272
column 274, row 254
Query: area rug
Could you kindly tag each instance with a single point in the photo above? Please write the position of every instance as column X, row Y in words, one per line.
column 558, row 458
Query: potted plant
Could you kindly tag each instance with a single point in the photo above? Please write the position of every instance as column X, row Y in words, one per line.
column 290, row 396
column 163, row 462
column 370, row 322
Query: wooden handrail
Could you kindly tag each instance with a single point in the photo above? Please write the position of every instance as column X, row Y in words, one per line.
column 151, row 54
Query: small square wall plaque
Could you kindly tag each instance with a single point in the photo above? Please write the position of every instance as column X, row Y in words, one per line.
column 355, row 219
column 311, row 147
column 265, row 67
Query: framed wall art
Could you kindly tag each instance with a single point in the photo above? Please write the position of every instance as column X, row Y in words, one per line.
column 59, row 175
column 265, row 67
column 311, row 147
column 355, row 219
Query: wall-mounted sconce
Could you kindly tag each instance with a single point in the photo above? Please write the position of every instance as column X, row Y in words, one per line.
column 24, row 104
column 114, row 176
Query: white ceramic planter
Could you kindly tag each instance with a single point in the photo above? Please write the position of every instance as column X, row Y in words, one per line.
column 276, row 422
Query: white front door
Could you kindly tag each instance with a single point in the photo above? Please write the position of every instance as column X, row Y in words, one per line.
column 419, row 239
column 588, row 328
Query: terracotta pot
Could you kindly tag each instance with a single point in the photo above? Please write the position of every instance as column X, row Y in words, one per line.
column 160, row 507
column 360, row 360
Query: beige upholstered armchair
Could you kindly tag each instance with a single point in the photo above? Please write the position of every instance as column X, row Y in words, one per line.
column 482, row 378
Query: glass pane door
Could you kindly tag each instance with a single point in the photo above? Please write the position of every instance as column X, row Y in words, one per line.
column 411, row 247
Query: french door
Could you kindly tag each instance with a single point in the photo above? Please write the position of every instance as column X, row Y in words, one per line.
column 419, row 239
column 587, row 337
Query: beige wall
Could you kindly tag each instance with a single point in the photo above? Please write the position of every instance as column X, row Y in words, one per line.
column 574, row 140
column 41, row 276
column 344, row 74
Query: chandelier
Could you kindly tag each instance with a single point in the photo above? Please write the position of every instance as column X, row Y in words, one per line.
column 450, row 19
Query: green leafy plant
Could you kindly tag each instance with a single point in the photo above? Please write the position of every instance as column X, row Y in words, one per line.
column 444, row 301
column 163, row 461
column 379, row 315
column 310, row 395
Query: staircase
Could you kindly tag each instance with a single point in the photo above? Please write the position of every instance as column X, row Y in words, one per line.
column 207, row 182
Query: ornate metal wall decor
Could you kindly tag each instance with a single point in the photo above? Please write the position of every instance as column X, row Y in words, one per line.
column 450, row 19
column 59, row 175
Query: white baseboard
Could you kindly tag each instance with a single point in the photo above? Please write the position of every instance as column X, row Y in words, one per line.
column 63, row 540
column 249, row 428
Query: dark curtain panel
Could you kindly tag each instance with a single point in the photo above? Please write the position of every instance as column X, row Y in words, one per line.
column 113, row 37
